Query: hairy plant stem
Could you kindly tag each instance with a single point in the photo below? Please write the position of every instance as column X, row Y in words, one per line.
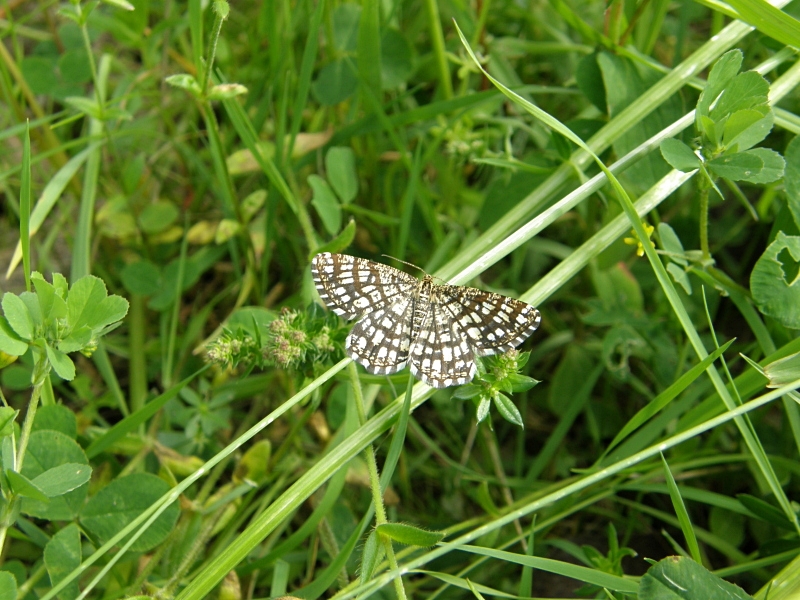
column 374, row 481
column 704, row 190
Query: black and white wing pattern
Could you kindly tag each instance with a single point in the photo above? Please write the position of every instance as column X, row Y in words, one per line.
column 438, row 329
column 493, row 323
column 353, row 287
column 440, row 354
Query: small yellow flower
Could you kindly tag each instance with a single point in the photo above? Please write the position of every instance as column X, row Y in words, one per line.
column 635, row 241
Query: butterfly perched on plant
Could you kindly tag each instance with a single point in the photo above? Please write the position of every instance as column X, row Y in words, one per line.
column 437, row 329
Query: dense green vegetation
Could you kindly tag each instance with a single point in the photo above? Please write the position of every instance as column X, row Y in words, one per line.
column 179, row 418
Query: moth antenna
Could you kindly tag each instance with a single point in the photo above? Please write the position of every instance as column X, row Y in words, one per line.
column 405, row 263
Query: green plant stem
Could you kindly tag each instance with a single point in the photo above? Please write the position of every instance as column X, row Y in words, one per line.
column 212, row 48
column 87, row 42
column 704, row 222
column 374, row 480
column 10, row 509
column 439, row 50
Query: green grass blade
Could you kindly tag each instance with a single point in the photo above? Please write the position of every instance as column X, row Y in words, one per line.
column 683, row 514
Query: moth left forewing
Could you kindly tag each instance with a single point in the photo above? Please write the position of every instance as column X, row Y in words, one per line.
column 493, row 323
column 353, row 286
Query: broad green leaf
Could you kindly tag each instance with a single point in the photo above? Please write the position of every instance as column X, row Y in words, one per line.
column 723, row 71
column 84, row 296
column 17, row 315
column 340, row 242
column 340, row 167
column 56, row 417
column 679, row 578
column 590, row 81
column 746, row 90
column 680, row 276
column 736, row 167
column 397, row 58
column 346, row 18
column 671, row 243
column 61, row 363
column 8, row 586
column 508, row 410
column 335, row 82
column 77, row 340
column 62, row 555
column 679, row 155
column 410, row 535
column 775, row 280
column 62, row 479
column 773, row 167
column 24, row 487
column 10, row 342
column 158, row 216
column 141, row 277
column 108, row 311
column 51, row 303
column 124, row 499
column 7, row 416
column 48, row 449
column 31, row 302
column 783, row 371
column 326, row 204
column 746, row 128
column 791, row 178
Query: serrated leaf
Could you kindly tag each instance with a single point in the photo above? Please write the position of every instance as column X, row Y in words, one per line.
column 409, row 535
column 326, row 204
column 775, row 280
column 508, row 410
column 77, row 340
column 746, row 90
column 746, row 128
column 772, row 169
column 10, row 342
column 24, row 487
column 8, row 586
column 62, row 479
column 679, row 155
column 340, row 167
column 110, row 310
column 723, row 71
column 736, row 167
column 61, row 363
column 17, row 315
column 84, row 296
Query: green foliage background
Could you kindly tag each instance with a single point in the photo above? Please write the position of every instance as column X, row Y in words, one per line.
column 194, row 158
